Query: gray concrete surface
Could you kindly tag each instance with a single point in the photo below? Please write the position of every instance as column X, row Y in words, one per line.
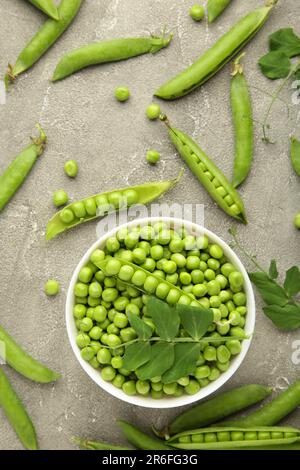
column 109, row 140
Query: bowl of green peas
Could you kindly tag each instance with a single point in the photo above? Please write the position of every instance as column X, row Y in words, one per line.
column 178, row 263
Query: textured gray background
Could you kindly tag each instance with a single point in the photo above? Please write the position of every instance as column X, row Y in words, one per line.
column 109, row 140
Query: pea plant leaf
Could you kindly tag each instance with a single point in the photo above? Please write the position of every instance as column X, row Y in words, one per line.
column 195, row 320
column 285, row 40
column 273, row 271
column 275, row 65
column 136, row 355
column 161, row 359
column 286, row 318
column 143, row 330
column 165, row 318
column 271, row 292
column 186, row 357
column 292, row 281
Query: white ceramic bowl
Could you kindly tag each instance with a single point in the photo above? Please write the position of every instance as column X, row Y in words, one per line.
column 171, row 402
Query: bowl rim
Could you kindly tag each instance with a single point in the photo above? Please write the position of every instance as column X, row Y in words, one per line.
column 171, row 402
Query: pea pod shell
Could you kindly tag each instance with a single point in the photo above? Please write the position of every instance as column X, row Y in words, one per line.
column 107, row 51
column 16, row 173
column 16, row 414
column 235, row 444
column 295, row 155
column 216, row 57
column 274, row 411
column 193, row 156
column 215, row 8
column 243, row 123
column 147, row 193
column 97, row 445
column 139, row 439
column 19, row 360
column 218, row 408
column 47, row 7
column 46, row 36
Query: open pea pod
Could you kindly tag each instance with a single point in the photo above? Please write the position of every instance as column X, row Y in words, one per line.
column 217, row 438
column 99, row 205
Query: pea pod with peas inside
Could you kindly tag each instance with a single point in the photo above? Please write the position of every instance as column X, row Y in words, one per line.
column 46, row 6
column 215, row 8
column 243, row 124
column 99, row 205
column 19, row 360
column 218, row 438
column 209, row 175
column 108, row 51
column 16, row 173
column 16, row 414
column 217, row 56
column 45, row 38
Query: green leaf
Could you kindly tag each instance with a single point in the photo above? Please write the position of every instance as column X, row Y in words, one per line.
column 185, row 363
column 273, row 272
column 286, row 41
column 143, row 330
column 275, row 65
column 292, row 281
column 136, row 355
column 161, row 359
column 285, row 318
column 165, row 318
column 271, row 292
column 195, row 320
column 295, row 150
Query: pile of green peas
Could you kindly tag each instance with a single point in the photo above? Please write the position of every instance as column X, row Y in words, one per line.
column 195, row 265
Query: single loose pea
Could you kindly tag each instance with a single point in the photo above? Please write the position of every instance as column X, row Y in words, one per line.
column 153, row 157
column 71, row 168
column 51, row 288
column 60, row 198
column 297, row 221
column 122, row 94
column 153, row 111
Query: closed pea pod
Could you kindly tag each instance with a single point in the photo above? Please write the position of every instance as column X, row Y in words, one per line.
column 209, row 175
column 295, row 155
column 217, row 438
column 217, row 56
column 23, row 363
column 80, row 212
column 215, row 8
column 141, row 440
column 97, row 445
column 243, row 124
column 16, row 414
column 46, row 6
column 108, row 51
column 16, row 173
column 45, row 37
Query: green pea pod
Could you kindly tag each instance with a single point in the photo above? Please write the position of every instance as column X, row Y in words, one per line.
column 243, row 123
column 101, row 204
column 218, row 408
column 45, row 37
column 16, row 173
column 274, row 411
column 16, row 414
column 97, row 445
column 218, row 56
column 295, row 154
column 215, row 8
column 218, row 438
column 209, row 175
column 141, row 440
column 23, row 363
column 107, row 51
column 47, row 7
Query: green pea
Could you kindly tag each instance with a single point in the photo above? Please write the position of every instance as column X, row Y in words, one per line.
column 121, row 320
column 215, row 301
column 224, row 296
column 121, row 303
column 214, row 374
column 250, row 436
column 90, row 207
column 197, row 438
column 213, row 288
column 95, row 332
column 104, row 356
column 227, row 269
column 223, row 354
column 157, row 387
column 234, row 346
column 210, row 437
column 213, row 264
column 94, row 362
column 192, row 262
column 202, row 372
column 297, row 221
column 222, row 280
column 237, row 331
column 60, row 198
column 209, row 274
column 223, row 327
column 185, row 278
column 71, row 168
column 95, row 290
column 79, row 311
column 216, row 251
column 118, row 381
column 170, row 389
column 130, row 197
column 234, row 318
column 86, row 324
column 223, row 436
column 223, row 367
column 82, row 340
column 100, row 313
column 156, row 395
column 184, row 381
column 81, row 300
column 52, row 288
column 149, row 265
column 237, row 436
column 117, row 362
column 128, row 334
column 192, row 388
column 96, row 345
column 179, row 259
column 157, row 252
column 142, row 387
column 153, row 111
column 139, row 278
column 110, row 294
column 93, row 302
column 173, row 297
column 264, row 435
column 236, row 279
column 204, row 301
column 97, row 256
column 172, row 278
column 197, row 276
column 87, row 353
column 184, row 439
column 240, row 299
column 122, row 94
column 108, row 373
column 162, row 290
column 176, row 245
column 152, row 157
column 129, row 388
column 210, row 353
column 200, row 290
column 126, row 273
